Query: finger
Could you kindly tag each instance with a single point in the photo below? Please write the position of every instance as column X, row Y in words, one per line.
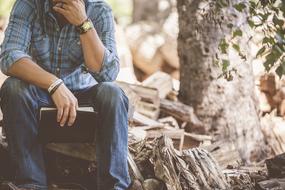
column 65, row 116
column 76, row 103
column 59, row 114
column 72, row 116
column 60, row 10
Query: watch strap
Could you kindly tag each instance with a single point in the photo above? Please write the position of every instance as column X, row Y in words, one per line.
column 85, row 26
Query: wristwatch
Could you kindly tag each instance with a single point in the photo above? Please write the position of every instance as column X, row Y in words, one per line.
column 85, row 26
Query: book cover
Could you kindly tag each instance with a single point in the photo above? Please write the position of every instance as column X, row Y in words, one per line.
column 82, row 131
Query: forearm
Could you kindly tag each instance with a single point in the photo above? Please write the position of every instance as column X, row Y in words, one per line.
column 93, row 50
column 27, row 70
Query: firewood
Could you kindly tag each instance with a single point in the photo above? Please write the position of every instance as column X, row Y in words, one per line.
column 194, row 169
column 239, row 179
column 174, row 134
column 180, row 111
column 134, row 169
column 268, row 84
column 161, row 81
column 144, row 46
column 148, row 103
column 282, row 108
column 169, row 52
column 198, row 137
column 153, row 184
column 273, row 130
column 272, row 184
column 142, row 120
column 133, row 97
column 225, row 152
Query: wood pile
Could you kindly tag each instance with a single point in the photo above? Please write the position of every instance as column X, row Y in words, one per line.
column 153, row 49
column 272, row 94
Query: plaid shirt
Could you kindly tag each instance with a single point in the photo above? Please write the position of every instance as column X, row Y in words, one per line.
column 34, row 33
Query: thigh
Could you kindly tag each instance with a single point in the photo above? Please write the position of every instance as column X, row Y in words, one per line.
column 19, row 89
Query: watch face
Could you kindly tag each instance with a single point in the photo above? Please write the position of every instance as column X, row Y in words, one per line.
column 87, row 25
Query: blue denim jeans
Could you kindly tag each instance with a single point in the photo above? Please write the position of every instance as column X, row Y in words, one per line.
column 20, row 104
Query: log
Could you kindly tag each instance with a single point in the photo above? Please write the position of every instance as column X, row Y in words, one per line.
column 144, row 43
column 268, row 84
column 274, row 133
column 169, row 52
column 239, row 179
column 161, row 81
column 181, row 112
column 149, row 102
column 225, row 152
column 133, row 97
column 142, row 120
column 145, row 99
column 194, row 169
column 272, row 184
column 134, row 169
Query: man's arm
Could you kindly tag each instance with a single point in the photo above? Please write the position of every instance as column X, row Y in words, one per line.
column 15, row 61
column 98, row 44
column 14, row 57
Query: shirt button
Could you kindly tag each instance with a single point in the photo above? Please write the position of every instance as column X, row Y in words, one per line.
column 57, row 69
column 59, row 49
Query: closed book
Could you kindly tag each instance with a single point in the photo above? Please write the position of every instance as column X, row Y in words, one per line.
column 82, row 131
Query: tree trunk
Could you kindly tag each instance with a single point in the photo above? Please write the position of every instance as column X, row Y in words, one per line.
column 227, row 108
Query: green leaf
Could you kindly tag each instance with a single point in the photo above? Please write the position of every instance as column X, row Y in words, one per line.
column 230, row 25
column 277, row 21
column 272, row 58
column 225, row 64
column 280, row 69
column 268, row 40
column 236, row 47
column 223, row 46
column 264, row 16
column 261, row 51
column 240, row 7
column 250, row 23
column 237, row 32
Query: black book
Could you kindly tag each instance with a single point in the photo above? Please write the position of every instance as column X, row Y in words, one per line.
column 82, row 131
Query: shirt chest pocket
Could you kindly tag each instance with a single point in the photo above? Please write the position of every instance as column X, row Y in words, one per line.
column 40, row 48
column 75, row 53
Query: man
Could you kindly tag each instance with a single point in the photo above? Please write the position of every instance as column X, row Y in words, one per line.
column 62, row 53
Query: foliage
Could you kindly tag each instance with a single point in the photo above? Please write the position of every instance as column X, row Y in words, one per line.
column 264, row 16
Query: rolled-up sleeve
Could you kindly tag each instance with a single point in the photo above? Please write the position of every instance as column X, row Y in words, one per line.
column 105, row 27
column 17, row 35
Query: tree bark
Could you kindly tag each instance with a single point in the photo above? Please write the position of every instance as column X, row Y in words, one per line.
column 227, row 108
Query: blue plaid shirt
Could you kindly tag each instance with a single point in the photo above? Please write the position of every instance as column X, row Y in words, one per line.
column 34, row 33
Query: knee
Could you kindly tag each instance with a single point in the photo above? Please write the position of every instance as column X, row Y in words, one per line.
column 111, row 93
column 14, row 88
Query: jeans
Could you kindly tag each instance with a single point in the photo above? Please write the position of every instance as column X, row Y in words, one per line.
column 20, row 104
